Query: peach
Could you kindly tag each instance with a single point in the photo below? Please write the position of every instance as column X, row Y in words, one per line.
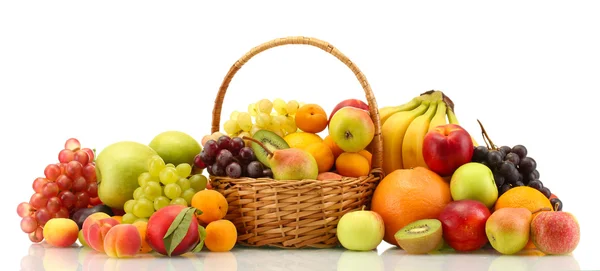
column 96, row 230
column 122, row 241
column 61, row 232
column 91, row 219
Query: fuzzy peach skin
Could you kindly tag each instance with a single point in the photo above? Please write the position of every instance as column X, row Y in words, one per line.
column 96, row 232
column 61, row 232
column 122, row 241
column 92, row 219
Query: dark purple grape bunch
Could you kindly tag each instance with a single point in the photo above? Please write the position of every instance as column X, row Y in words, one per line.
column 230, row 157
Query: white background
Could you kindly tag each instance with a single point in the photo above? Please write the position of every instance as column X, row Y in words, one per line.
column 106, row 71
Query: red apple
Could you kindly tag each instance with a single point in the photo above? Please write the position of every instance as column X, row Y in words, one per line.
column 349, row 102
column 463, row 224
column 446, row 148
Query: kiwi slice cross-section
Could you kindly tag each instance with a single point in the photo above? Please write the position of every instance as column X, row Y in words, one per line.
column 420, row 237
column 271, row 140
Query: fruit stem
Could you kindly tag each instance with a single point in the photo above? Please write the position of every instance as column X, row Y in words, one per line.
column 486, row 138
column 541, row 210
column 260, row 144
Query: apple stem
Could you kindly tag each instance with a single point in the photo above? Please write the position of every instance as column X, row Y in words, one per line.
column 486, row 138
column 541, row 210
column 363, row 207
column 260, row 144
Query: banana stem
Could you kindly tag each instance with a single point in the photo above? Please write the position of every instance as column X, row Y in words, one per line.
column 486, row 138
column 260, row 144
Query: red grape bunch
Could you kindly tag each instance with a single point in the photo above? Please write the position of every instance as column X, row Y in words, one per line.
column 67, row 186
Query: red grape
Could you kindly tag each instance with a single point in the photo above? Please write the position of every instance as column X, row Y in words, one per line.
column 38, row 201
column 54, row 204
column 83, row 199
column 82, row 157
column 37, row 236
column 198, row 162
column 64, row 183
column 50, row 190
column 74, row 169
column 72, row 144
column 67, row 198
column 90, row 153
column 79, row 184
column 28, row 224
column 92, row 189
column 89, row 172
column 66, row 156
column 42, row 216
column 52, row 172
column 25, row 209
column 38, row 184
column 95, row 201
column 62, row 213
column 63, row 168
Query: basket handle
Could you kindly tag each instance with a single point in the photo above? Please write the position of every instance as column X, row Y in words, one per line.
column 325, row 46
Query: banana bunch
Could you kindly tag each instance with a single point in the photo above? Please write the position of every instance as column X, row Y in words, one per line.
column 404, row 127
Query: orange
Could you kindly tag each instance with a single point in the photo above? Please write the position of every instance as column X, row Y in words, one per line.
column 408, row 195
column 212, row 204
column 311, row 118
column 368, row 155
column 352, row 164
column 323, row 155
column 335, row 149
column 221, row 236
column 142, row 226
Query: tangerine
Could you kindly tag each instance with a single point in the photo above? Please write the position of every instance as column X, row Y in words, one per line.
column 212, row 204
column 221, row 236
column 311, row 118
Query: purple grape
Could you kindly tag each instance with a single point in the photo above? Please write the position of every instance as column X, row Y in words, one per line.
column 520, row 150
column 209, row 169
column 536, row 173
column 218, row 170
column 234, row 170
column 247, row 154
column 519, row 183
column 513, row 158
column 236, row 144
column 479, row 154
column 223, row 142
column 499, row 179
column 512, row 176
column 255, row 169
column 267, row 172
column 211, row 148
column 536, row 184
column 505, row 149
column 224, row 158
column 494, row 158
column 206, row 158
column 556, row 204
column 505, row 168
column 505, row 187
column 527, row 165
column 546, row 192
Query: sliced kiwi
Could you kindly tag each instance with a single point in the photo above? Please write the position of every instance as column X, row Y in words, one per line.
column 271, row 140
column 420, row 237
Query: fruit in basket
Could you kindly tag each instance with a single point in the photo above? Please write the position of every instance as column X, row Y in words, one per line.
column 311, row 118
column 412, row 144
column 329, row 176
column 555, row 232
column 61, row 232
column 474, row 181
column 175, row 147
column 351, row 129
column 271, row 142
column 122, row 241
column 408, row 195
column 302, row 140
column 420, row 237
column 352, row 164
column 230, row 157
column 276, row 116
column 463, row 224
column 322, row 155
column 447, row 147
column 214, row 136
column 351, row 103
column 508, row 229
column 117, row 169
column 290, row 163
column 335, row 149
column 186, row 226
column 360, row 230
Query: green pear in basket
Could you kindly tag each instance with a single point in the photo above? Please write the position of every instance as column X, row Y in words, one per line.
column 291, row 163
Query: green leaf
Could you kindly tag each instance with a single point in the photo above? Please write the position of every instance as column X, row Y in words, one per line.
column 178, row 229
column 202, row 234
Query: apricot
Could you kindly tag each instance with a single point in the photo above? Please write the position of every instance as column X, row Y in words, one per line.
column 122, row 241
column 142, row 226
column 221, row 236
column 311, row 118
column 95, row 230
column 352, row 164
column 213, row 205
column 322, row 155
column 335, row 149
column 61, row 232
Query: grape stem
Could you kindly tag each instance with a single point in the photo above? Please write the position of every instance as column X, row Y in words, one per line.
column 486, row 138
column 260, row 144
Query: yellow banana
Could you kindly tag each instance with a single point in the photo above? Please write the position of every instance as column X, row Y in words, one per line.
column 392, row 133
column 453, row 120
column 412, row 145
column 440, row 116
column 386, row 112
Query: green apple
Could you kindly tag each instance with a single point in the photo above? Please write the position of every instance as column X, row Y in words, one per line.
column 351, row 129
column 474, row 181
column 176, row 147
column 118, row 167
column 360, row 230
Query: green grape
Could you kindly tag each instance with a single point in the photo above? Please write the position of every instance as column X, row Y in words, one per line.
column 231, row 127
column 168, row 175
column 289, row 125
column 172, row 190
column 161, row 202
column 275, row 124
column 198, row 182
column 265, row 106
column 170, row 165
column 179, row 201
column 144, row 178
column 141, row 220
column 138, row 193
column 143, row 208
column 234, row 115
column 188, row 194
column 128, row 218
column 254, row 129
column 244, row 121
column 184, row 183
column 263, row 120
column 280, row 106
column 292, row 107
column 183, row 170
column 252, row 109
column 155, row 165
column 152, row 190
column 128, row 206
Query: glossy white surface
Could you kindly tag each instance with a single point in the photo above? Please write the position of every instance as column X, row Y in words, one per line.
column 44, row 257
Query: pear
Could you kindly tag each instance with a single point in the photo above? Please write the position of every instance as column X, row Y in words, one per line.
column 291, row 163
column 508, row 229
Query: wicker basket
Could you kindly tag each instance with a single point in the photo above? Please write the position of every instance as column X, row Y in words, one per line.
column 295, row 214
